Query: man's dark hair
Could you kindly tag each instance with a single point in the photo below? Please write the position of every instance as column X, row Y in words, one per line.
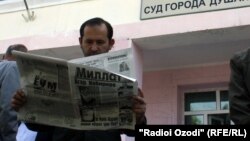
column 97, row 21
column 18, row 47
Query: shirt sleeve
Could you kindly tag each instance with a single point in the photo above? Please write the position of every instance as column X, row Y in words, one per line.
column 8, row 117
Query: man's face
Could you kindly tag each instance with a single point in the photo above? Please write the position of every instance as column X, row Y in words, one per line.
column 95, row 40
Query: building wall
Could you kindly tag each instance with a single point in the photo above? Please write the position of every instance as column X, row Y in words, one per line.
column 58, row 26
column 67, row 17
column 161, row 89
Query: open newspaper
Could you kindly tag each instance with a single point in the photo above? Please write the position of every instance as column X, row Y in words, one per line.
column 90, row 93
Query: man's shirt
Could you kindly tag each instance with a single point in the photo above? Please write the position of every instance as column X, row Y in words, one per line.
column 9, row 83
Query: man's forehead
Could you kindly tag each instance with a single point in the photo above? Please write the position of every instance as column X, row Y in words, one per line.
column 96, row 31
column 96, row 27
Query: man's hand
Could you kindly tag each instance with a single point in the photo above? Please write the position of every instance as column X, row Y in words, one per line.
column 139, row 107
column 18, row 100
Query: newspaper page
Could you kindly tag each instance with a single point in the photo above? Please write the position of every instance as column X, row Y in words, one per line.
column 45, row 81
column 105, row 97
column 71, row 95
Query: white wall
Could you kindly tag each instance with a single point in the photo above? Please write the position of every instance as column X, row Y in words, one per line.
column 68, row 17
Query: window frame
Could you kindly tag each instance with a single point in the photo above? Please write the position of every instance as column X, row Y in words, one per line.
column 18, row 5
column 205, row 113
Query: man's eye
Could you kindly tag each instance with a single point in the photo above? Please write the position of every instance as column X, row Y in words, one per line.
column 89, row 42
column 99, row 42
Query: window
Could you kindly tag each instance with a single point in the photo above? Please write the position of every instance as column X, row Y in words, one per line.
column 206, row 107
column 11, row 5
column 17, row 5
column 200, row 101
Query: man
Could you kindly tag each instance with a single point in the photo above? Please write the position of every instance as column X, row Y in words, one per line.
column 95, row 38
column 9, row 83
column 8, row 55
column 239, row 88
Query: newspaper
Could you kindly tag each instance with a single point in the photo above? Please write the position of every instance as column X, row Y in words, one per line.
column 91, row 93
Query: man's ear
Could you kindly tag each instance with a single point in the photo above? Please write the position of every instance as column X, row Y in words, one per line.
column 80, row 40
column 111, row 43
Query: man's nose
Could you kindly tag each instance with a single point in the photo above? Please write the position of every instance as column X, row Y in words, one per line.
column 94, row 47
